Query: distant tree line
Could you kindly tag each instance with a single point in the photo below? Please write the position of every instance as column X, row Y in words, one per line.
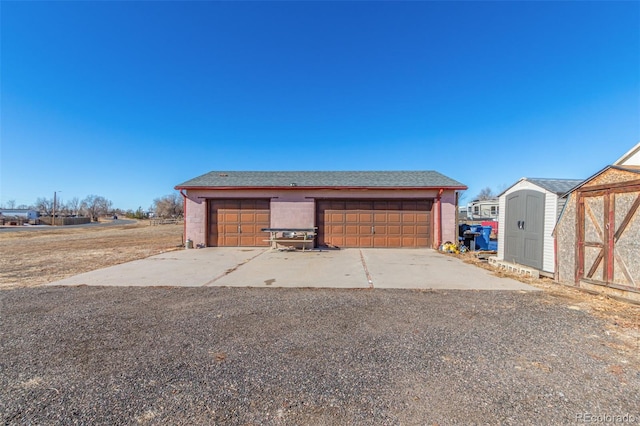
column 92, row 206
column 95, row 206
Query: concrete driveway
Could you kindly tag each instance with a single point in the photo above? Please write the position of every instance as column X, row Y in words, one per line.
column 260, row 267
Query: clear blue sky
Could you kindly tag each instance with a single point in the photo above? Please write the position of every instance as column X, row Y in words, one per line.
column 128, row 99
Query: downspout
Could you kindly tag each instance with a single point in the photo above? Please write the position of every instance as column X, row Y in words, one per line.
column 439, row 204
column 457, row 220
column 184, row 214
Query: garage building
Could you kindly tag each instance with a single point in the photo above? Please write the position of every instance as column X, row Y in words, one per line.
column 408, row 209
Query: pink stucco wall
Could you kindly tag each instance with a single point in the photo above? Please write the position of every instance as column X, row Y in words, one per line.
column 292, row 214
column 295, row 208
column 449, row 217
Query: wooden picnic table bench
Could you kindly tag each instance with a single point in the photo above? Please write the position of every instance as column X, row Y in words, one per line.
column 291, row 235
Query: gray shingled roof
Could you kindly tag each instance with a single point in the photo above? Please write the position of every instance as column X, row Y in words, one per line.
column 365, row 179
column 557, row 186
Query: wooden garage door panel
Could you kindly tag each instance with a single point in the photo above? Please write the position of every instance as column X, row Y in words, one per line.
column 364, row 229
column 350, row 217
column 378, row 223
column 348, row 241
column 409, row 217
column 251, row 228
column 248, row 216
column 380, row 217
column 380, row 241
column 394, row 229
column 231, row 228
column 229, row 241
column 250, row 240
column 393, row 241
column 422, row 242
column 351, row 229
column 226, row 215
column 381, row 230
column 238, row 222
column 408, row 241
column 393, row 217
column 408, row 229
column 338, row 240
column 365, row 241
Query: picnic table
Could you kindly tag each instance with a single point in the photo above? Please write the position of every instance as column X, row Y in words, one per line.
column 291, row 236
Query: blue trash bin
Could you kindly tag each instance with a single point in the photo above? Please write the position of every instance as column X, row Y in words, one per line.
column 482, row 240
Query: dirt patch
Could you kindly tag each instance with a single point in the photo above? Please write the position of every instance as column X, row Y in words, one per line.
column 622, row 318
column 39, row 256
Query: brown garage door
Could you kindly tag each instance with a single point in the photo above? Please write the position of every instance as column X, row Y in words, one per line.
column 377, row 223
column 235, row 223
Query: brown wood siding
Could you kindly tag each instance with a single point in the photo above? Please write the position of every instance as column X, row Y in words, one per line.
column 238, row 223
column 375, row 223
column 608, row 225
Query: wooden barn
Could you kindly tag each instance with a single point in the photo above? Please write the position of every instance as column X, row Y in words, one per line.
column 598, row 233
column 528, row 211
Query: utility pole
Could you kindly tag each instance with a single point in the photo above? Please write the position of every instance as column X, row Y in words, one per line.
column 53, row 219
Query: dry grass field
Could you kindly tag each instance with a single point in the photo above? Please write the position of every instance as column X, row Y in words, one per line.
column 35, row 257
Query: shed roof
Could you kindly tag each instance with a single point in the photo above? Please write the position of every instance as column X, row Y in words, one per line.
column 554, row 185
column 322, row 179
column 557, row 186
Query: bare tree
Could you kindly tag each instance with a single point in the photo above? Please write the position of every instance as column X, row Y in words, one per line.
column 169, row 206
column 73, row 206
column 44, row 206
column 96, row 205
column 486, row 194
column 462, row 196
column 11, row 204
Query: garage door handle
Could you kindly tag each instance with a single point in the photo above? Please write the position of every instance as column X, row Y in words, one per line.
column 239, row 229
column 373, row 229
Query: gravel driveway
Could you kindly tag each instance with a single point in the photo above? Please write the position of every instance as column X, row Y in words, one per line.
column 98, row 355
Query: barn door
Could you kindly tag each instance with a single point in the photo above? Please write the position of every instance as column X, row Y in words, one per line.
column 524, row 230
column 608, row 229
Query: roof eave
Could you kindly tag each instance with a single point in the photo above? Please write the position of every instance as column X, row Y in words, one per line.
column 235, row 188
